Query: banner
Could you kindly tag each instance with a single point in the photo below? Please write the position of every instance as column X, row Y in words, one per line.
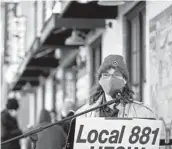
column 101, row 133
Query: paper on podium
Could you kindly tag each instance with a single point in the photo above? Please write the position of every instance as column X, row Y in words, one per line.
column 110, row 133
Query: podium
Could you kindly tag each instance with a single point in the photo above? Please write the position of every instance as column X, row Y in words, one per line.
column 115, row 133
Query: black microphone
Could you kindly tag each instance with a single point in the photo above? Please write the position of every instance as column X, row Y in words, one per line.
column 117, row 96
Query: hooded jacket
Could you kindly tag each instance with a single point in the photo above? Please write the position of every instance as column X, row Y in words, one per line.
column 51, row 138
column 9, row 129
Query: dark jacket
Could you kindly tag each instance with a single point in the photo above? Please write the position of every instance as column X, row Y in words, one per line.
column 52, row 137
column 9, row 129
column 66, row 124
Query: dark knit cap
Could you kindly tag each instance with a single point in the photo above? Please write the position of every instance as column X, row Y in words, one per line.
column 113, row 61
column 12, row 104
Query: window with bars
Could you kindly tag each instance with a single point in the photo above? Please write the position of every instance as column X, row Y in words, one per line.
column 135, row 48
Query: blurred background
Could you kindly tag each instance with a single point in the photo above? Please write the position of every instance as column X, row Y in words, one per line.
column 51, row 51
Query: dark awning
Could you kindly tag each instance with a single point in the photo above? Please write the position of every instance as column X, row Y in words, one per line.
column 57, row 29
column 35, row 66
column 53, row 35
column 89, row 10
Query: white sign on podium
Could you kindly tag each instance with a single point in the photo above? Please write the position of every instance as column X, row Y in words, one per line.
column 103, row 133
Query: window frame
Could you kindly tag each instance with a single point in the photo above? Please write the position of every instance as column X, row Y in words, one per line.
column 137, row 11
column 96, row 51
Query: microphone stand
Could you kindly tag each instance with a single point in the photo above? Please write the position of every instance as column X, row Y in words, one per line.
column 33, row 133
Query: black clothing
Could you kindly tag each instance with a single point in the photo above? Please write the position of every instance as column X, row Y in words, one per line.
column 9, row 129
column 66, row 124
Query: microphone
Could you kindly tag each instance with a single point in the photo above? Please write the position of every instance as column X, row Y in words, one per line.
column 36, row 130
column 116, row 93
column 117, row 96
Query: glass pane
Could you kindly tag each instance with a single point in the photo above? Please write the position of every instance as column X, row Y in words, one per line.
column 135, row 68
column 69, row 84
column 97, row 61
column 134, row 35
column 144, row 45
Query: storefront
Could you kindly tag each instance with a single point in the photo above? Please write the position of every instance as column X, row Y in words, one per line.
column 89, row 56
column 68, row 48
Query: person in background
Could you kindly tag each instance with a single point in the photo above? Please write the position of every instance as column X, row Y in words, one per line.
column 66, row 112
column 51, row 138
column 66, row 124
column 9, row 124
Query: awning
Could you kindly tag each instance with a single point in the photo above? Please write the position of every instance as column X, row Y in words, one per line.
column 89, row 10
column 53, row 35
column 35, row 66
column 57, row 29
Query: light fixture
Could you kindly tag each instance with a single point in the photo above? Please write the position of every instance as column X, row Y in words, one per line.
column 110, row 3
column 83, row 1
column 74, row 39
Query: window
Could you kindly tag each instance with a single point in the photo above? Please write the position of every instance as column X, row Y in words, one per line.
column 96, row 59
column 135, row 48
column 70, row 81
column 81, row 62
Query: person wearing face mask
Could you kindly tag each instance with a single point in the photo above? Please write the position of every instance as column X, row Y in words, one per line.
column 9, row 124
column 113, row 76
column 112, row 85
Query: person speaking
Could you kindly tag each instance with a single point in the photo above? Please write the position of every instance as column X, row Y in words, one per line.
column 113, row 76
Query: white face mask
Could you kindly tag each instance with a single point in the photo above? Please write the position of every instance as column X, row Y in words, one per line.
column 110, row 84
column 13, row 113
column 112, row 80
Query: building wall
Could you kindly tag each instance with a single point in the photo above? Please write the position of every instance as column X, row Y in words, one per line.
column 82, row 89
column 39, row 96
column 113, row 42
column 23, row 113
column 49, row 94
column 3, row 81
column 113, row 38
column 159, row 58
column 59, row 92
column 26, row 114
column 28, row 11
column 31, row 109
column 83, row 83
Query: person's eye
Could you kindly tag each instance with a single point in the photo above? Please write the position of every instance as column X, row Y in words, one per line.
column 119, row 77
column 105, row 75
column 117, row 74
